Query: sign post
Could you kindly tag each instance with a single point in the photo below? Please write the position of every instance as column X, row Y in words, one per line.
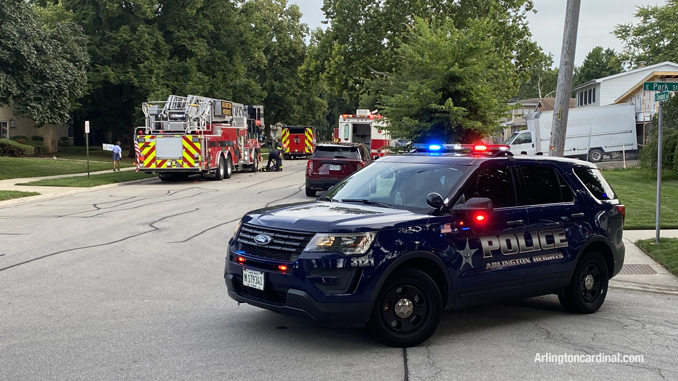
column 87, row 144
column 659, row 170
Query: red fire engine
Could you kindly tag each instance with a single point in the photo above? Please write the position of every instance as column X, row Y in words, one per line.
column 366, row 128
column 298, row 141
column 199, row 135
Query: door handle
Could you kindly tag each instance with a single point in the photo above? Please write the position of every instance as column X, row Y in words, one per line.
column 515, row 223
column 578, row 215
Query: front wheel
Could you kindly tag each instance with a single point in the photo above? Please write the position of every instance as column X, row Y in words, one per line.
column 255, row 164
column 407, row 310
column 588, row 287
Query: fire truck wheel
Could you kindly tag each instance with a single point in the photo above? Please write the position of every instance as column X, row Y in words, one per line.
column 255, row 164
column 221, row 171
column 286, row 157
column 229, row 167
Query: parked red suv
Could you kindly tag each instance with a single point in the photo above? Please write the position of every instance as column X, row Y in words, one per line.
column 332, row 163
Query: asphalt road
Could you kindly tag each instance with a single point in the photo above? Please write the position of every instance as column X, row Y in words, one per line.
column 126, row 283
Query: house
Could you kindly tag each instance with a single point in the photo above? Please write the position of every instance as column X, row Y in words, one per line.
column 516, row 121
column 627, row 87
column 11, row 126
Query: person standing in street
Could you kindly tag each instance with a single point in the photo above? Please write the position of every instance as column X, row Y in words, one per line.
column 117, row 153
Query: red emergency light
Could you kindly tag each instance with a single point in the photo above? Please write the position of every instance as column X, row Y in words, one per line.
column 282, row 267
column 480, row 148
column 258, row 122
column 480, row 218
column 241, row 260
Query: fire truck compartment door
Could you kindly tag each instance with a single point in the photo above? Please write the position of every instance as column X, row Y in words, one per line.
column 169, row 148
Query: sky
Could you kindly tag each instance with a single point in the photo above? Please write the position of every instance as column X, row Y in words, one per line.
column 597, row 20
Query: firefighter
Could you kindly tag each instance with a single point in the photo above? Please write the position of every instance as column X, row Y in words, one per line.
column 274, row 155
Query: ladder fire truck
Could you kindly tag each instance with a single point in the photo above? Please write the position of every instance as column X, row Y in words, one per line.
column 298, row 141
column 367, row 128
column 199, row 135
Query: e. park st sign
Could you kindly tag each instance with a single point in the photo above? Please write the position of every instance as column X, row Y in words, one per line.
column 660, row 86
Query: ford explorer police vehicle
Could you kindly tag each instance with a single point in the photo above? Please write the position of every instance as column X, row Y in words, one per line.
column 441, row 228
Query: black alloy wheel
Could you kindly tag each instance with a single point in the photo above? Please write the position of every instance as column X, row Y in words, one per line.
column 588, row 288
column 408, row 309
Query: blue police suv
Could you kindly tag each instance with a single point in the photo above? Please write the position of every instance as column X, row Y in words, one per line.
column 440, row 228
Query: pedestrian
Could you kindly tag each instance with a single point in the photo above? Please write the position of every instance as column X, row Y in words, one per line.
column 117, row 153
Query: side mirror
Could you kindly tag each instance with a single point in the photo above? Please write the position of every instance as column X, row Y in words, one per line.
column 475, row 204
column 434, row 200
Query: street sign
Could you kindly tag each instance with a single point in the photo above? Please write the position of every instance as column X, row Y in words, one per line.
column 87, row 126
column 660, row 86
column 661, row 97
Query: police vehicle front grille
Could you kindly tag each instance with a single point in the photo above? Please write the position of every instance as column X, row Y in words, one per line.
column 268, row 296
column 284, row 246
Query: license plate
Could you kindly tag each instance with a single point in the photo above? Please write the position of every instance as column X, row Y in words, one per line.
column 335, row 167
column 254, row 279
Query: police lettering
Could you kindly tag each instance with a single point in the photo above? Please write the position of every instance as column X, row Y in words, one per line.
column 510, row 244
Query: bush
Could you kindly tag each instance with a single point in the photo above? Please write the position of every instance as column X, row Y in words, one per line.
column 21, row 139
column 648, row 155
column 64, row 141
column 37, row 138
column 15, row 149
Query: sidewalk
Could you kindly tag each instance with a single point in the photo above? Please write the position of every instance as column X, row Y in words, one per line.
column 49, row 192
column 642, row 273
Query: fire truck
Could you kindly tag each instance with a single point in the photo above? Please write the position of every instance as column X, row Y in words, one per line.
column 199, row 135
column 297, row 141
column 367, row 128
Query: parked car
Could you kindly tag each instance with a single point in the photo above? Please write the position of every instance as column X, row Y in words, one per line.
column 332, row 163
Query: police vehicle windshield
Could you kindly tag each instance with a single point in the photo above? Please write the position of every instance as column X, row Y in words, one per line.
column 398, row 184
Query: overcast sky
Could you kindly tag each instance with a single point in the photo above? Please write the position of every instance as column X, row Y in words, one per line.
column 596, row 22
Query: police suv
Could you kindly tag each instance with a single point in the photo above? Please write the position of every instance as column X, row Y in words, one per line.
column 440, row 228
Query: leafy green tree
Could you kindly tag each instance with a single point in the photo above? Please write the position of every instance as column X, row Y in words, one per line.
column 542, row 81
column 648, row 155
column 598, row 63
column 43, row 62
column 452, row 84
column 653, row 39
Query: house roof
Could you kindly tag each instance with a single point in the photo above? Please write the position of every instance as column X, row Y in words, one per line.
column 655, row 75
column 644, row 68
column 531, row 102
column 548, row 104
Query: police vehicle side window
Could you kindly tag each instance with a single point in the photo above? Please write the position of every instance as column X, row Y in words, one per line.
column 595, row 182
column 544, row 185
column 495, row 183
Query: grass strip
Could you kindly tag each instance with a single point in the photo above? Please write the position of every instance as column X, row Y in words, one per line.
column 637, row 189
column 666, row 253
column 8, row 195
column 92, row 181
column 13, row 167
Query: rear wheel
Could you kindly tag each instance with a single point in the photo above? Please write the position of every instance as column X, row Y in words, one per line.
column 310, row 192
column 588, row 287
column 407, row 310
column 221, row 170
column 229, row 167
column 255, row 163
column 595, row 155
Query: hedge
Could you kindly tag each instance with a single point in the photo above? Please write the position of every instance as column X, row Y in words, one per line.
column 15, row 149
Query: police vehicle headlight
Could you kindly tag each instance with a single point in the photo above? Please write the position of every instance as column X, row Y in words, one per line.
column 350, row 244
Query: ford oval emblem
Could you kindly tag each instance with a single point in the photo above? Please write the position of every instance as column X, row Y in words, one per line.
column 262, row 239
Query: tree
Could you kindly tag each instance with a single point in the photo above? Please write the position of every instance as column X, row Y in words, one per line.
column 452, row 83
column 43, row 63
column 364, row 35
column 598, row 63
column 654, row 39
column 542, row 80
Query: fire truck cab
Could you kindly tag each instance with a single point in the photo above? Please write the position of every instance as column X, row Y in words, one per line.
column 367, row 128
column 199, row 135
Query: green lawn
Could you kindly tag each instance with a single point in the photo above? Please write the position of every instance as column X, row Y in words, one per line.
column 96, row 153
column 637, row 190
column 8, row 195
column 92, row 181
column 665, row 253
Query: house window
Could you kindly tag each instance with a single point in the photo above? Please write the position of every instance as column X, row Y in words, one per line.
column 70, row 131
column 590, row 98
column 594, row 95
column 586, row 97
column 4, row 130
column 581, row 95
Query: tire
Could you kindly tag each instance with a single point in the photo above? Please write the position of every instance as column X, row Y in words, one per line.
column 255, row 164
column 588, row 288
column 221, row 170
column 286, row 157
column 229, row 167
column 418, row 298
column 595, row 155
column 310, row 192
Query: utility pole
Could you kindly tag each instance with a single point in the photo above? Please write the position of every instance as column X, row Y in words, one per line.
column 565, row 73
